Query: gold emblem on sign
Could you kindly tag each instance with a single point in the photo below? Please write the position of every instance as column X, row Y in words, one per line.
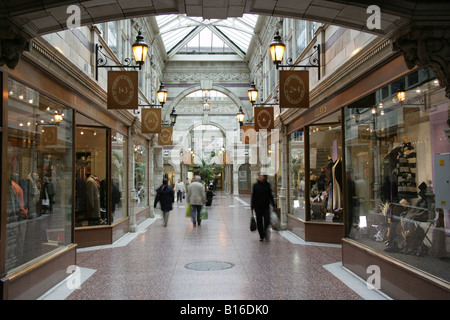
column 294, row 89
column 165, row 136
column 151, row 120
column 264, row 119
column 123, row 90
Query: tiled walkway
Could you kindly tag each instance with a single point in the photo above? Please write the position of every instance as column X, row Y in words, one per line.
column 152, row 263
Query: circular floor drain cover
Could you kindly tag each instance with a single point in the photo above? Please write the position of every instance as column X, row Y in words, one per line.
column 209, row 265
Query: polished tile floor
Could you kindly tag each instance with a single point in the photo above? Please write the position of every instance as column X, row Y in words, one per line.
column 158, row 263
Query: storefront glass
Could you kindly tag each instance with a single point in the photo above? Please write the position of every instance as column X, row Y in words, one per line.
column 297, row 175
column 245, row 178
column 40, row 172
column 325, row 170
column 141, row 176
column 397, row 155
column 91, row 154
column 118, row 190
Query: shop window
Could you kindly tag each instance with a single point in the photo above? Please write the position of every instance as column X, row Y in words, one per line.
column 118, row 190
column 39, row 170
column 141, row 176
column 297, row 175
column 395, row 159
column 244, row 177
column 325, row 170
column 91, row 197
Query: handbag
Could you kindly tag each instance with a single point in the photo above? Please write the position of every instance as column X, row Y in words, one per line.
column 204, row 213
column 188, row 210
column 252, row 223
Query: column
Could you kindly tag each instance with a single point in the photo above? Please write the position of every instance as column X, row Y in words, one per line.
column 132, row 194
column 151, row 177
column 284, row 178
column 235, row 181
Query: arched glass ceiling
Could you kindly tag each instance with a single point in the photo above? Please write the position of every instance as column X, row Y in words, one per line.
column 183, row 34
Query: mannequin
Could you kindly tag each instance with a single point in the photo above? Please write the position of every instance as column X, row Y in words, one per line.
column 93, row 197
column 337, row 181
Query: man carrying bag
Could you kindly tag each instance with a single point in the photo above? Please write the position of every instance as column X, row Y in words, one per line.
column 196, row 197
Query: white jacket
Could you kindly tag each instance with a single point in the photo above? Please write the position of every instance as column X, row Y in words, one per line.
column 196, row 194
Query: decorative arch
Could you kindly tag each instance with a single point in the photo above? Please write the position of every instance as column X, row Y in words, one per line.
column 184, row 93
column 221, row 128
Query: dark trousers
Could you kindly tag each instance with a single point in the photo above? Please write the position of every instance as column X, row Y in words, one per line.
column 195, row 212
column 179, row 196
column 262, row 221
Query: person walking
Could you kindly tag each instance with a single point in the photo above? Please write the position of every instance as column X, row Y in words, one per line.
column 180, row 190
column 261, row 200
column 196, row 197
column 165, row 195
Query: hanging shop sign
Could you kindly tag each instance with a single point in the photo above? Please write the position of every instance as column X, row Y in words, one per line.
column 264, row 118
column 123, row 90
column 49, row 136
column 151, row 120
column 294, row 89
column 248, row 135
column 165, row 136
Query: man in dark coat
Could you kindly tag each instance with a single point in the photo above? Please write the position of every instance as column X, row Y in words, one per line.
column 261, row 200
column 165, row 195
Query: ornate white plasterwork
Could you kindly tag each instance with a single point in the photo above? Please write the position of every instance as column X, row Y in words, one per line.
column 221, row 107
column 197, row 76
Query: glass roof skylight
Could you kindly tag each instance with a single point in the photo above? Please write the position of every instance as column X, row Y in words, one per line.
column 196, row 35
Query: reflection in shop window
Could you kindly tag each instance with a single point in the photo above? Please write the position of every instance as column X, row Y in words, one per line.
column 91, row 177
column 118, row 189
column 391, row 151
column 325, row 176
column 297, row 175
column 140, row 174
column 39, row 167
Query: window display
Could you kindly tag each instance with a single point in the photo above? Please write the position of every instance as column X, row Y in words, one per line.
column 119, row 175
column 297, row 175
column 141, row 175
column 91, row 186
column 39, row 167
column 391, row 151
column 325, row 170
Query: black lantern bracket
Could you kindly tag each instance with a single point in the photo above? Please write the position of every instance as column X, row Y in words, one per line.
column 314, row 62
column 101, row 61
column 265, row 104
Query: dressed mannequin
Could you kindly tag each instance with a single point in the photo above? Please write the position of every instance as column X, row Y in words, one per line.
column 337, row 184
column 93, row 197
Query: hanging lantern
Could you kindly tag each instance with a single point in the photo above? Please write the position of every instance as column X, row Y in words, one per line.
column 140, row 49
column 277, row 48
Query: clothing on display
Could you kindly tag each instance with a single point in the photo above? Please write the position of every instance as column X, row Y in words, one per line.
column 400, row 173
column 327, row 192
column 93, row 197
